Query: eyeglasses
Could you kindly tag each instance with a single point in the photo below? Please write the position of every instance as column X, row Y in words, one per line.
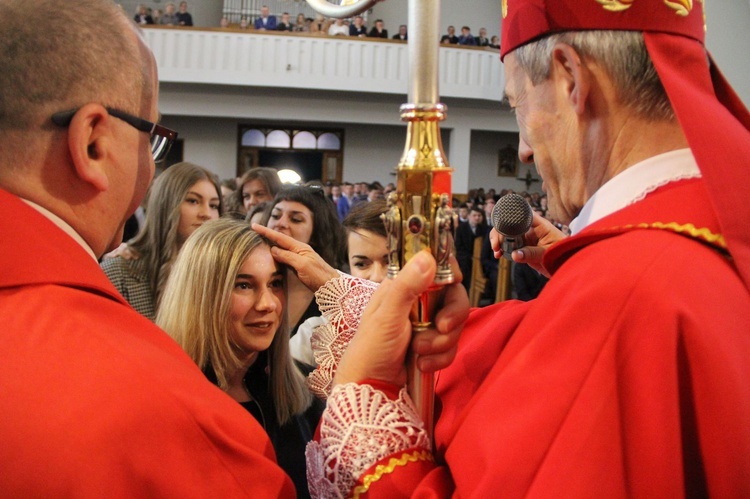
column 162, row 138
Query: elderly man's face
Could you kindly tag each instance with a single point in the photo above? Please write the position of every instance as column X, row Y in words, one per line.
column 548, row 137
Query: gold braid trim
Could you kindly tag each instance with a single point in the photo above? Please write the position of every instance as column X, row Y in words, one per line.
column 384, row 469
column 687, row 229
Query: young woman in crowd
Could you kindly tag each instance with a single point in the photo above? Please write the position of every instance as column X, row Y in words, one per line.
column 256, row 186
column 367, row 252
column 225, row 304
column 305, row 214
column 180, row 200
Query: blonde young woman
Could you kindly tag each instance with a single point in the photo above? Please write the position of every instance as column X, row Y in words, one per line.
column 225, row 304
column 180, row 200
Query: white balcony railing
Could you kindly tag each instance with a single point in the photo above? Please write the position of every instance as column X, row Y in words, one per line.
column 292, row 60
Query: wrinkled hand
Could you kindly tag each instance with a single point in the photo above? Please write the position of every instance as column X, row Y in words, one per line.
column 123, row 251
column 378, row 350
column 540, row 236
column 310, row 267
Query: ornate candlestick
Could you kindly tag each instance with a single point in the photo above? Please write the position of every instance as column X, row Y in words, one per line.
column 420, row 215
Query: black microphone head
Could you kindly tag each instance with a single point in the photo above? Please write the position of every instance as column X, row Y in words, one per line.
column 512, row 215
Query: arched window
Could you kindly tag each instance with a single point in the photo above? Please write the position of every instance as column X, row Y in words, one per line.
column 253, row 138
column 329, row 141
column 304, row 140
column 278, row 139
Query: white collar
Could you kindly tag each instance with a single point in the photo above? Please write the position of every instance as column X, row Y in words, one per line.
column 635, row 183
column 63, row 225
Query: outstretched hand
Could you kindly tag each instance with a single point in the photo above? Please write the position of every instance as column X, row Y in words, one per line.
column 310, row 267
column 378, row 350
column 539, row 237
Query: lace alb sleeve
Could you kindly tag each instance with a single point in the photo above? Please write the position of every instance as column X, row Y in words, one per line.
column 360, row 427
column 341, row 301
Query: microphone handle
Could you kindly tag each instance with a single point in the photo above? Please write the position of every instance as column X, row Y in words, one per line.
column 510, row 244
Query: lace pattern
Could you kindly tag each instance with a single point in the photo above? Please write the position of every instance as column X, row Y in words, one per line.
column 341, row 301
column 360, row 427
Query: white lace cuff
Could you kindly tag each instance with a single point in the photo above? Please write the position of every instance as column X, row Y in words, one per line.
column 360, row 427
column 341, row 301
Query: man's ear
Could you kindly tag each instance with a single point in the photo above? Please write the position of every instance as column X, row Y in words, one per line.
column 90, row 137
column 571, row 76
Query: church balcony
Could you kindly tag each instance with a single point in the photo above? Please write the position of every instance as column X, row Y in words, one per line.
column 317, row 62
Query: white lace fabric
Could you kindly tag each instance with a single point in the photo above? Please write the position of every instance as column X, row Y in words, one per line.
column 360, row 427
column 342, row 301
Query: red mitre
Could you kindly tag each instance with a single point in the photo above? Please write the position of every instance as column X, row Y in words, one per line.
column 715, row 122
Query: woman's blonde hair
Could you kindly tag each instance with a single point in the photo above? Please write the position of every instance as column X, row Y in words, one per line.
column 195, row 310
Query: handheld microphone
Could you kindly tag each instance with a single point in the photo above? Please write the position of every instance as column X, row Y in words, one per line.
column 512, row 218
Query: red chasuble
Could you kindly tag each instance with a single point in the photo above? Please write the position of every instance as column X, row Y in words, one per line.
column 99, row 402
column 628, row 376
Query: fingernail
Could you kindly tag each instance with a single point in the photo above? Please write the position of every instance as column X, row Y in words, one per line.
column 521, row 256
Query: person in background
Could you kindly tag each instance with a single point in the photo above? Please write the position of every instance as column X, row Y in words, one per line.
column 285, row 24
column 257, row 185
column 183, row 16
column 301, row 25
column 337, row 27
column 265, row 21
column 466, row 37
column 170, row 16
column 402, row 34
column 305, row 214
column 157, row 15
column 346, row 200
column 258, row 213
column 142, row 16
column 357, row 27
column 378, row 31
column 224, row 22
column 450, row 38
column 463, row 212
column 181, row 199
column 481, row 39
column 99, row 401
column 466, row 233
column 225, row 305
column 367, row 254
column 495, row 42
column 624, row 377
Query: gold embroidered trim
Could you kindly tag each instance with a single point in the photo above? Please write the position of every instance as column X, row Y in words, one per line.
column 385, row 469
column 687, row 229
column 681, row 7
column 616, row 5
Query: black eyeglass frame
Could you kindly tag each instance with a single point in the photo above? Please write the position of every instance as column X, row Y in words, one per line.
column 63, row 119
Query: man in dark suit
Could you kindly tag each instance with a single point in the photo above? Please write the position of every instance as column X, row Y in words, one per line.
column 466, row 233
column 358, row 28
column 285, row 24
column 482, row 40
column 402, row 33
column 378, row 31
column 266, row 21
column 451, row 37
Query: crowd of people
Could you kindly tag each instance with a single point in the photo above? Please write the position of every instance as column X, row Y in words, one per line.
column 170, row 16
column 266, row 21
column 624, row 377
